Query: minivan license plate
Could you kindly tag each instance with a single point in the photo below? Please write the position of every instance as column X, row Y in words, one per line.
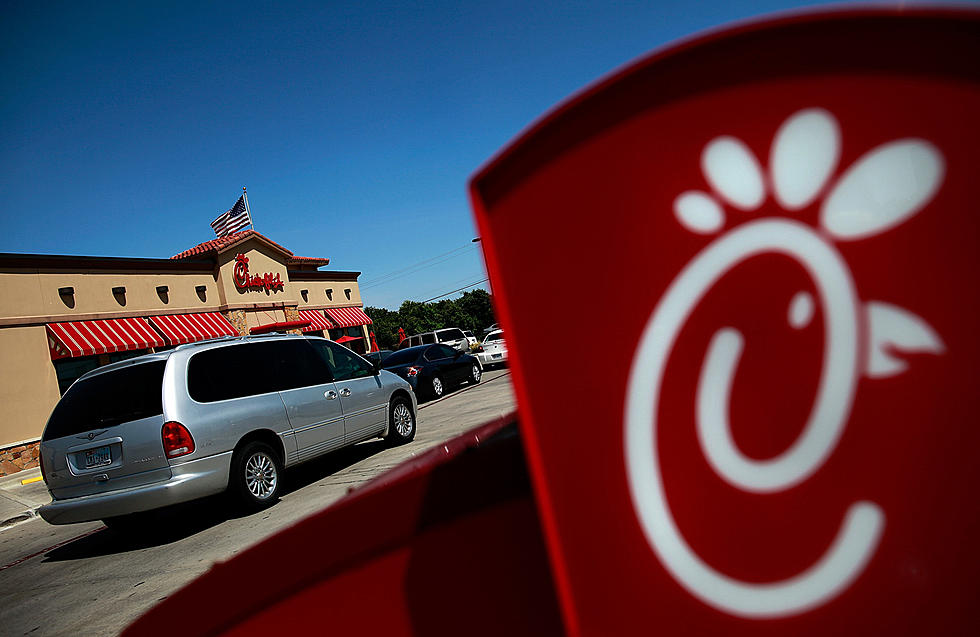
column 97, row 457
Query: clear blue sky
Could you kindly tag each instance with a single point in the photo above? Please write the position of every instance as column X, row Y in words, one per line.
column 127, row 127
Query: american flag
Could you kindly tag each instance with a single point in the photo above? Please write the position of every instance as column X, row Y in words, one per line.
column 233, row 220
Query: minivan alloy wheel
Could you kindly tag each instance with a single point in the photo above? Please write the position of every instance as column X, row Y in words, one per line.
column 261, row 475
column 403, row 419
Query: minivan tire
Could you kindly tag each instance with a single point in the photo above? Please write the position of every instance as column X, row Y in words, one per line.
column 256, row 475
column 401, row 422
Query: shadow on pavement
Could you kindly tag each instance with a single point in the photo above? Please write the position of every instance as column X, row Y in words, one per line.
column 309, row 472
column 174, row 523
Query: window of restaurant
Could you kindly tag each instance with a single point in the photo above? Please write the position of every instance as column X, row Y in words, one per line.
column 69, row 370
column 354, row 332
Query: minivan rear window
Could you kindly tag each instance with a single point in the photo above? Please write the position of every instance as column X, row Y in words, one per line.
column 108, row 399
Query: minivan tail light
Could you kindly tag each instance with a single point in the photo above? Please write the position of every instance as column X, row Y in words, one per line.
column 177, row 440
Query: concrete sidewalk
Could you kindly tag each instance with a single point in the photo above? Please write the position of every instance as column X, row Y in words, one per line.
column 19, row 502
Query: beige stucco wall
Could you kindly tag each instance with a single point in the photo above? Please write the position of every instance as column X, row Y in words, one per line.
column 28, row 384
column 317, row 293
column 264, row 317
column 261, row 259
column 34, row 294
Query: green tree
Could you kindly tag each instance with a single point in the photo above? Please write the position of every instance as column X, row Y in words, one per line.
column 472, row 311
column 418, row 317
column 477, row 307
column 385, row 326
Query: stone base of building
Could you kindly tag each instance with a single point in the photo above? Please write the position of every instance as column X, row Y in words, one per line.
column 19, row 457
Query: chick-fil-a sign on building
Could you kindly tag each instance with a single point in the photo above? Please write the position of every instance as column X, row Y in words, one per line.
column 246, row 281
column 783, row 436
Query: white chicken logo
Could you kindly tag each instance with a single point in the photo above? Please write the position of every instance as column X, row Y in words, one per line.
column 882, row 189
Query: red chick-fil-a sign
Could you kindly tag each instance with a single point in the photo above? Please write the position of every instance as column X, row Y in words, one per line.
column 779, row 434
column 246, row 281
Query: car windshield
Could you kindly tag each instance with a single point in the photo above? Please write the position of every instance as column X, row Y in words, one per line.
column 402, row 357
column 494, row 336
column 108, row 399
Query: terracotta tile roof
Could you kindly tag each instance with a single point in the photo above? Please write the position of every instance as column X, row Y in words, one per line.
column 214, row 246
column 308, row 260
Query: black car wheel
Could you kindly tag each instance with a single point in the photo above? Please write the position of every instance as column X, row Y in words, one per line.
column 437, row 388
column 401, row 422
column 256, row 473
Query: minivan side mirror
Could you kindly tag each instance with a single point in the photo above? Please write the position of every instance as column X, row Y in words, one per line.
column 376, row 367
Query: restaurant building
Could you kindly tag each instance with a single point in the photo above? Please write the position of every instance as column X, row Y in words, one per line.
column 62, row 316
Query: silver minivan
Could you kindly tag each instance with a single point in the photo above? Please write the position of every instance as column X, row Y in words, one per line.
column 221, row 415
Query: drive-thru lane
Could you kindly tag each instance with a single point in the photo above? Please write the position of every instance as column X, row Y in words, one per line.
column 85, row 579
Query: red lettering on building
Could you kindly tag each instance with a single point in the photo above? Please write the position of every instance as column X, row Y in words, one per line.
column 246, row 281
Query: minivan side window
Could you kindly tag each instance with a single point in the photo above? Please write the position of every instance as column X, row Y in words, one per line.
column 428, row 338
column 343, row 363
column 251, row 369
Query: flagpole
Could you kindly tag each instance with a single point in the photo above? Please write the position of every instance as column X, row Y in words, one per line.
column 247, row 211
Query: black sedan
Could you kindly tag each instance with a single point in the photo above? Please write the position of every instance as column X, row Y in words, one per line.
column 378, row 357
column 432, row 369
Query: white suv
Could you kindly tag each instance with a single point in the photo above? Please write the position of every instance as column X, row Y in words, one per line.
column 493, row 350
column 451, row 336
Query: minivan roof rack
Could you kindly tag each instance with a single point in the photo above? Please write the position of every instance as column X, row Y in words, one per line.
column 247, row 337
column 209, row 340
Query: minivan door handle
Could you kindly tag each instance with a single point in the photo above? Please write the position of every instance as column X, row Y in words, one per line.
column 345, row 392
column 330, row 395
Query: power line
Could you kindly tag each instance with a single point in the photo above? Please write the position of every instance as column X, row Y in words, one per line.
column 415, row 267
column 457, row 290
column 447, row 284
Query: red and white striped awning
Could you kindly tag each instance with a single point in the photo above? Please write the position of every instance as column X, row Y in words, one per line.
column 88, row 338
column 190, row 328
column 348, row 316
column 318, row 322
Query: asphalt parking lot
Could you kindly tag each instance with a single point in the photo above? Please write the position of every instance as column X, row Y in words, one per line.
column 86, row 579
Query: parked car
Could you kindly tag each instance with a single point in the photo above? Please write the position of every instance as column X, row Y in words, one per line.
column 432, row 369
column 221, row 415
column 451, row 336
column 493, row 349
column 470, row 339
